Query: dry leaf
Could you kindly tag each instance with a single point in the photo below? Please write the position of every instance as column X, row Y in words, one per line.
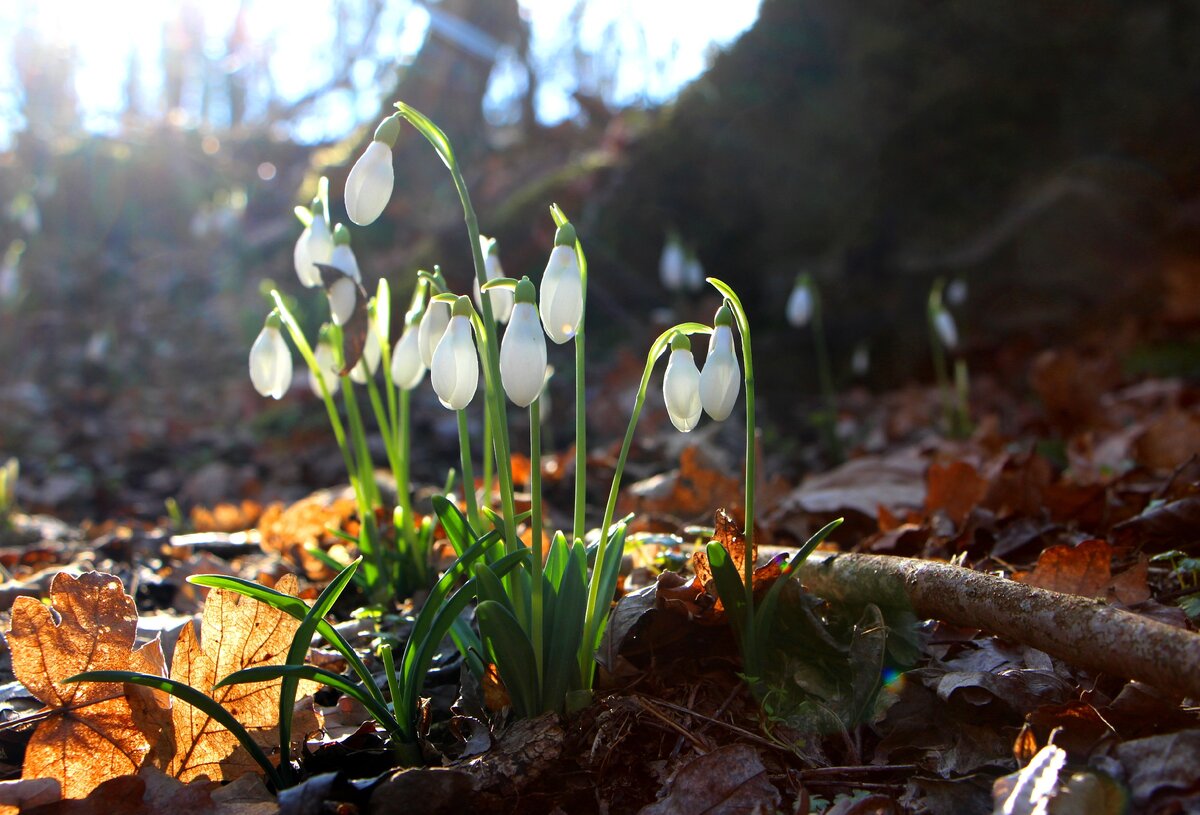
column 236, row 632
column 22, row 794
column 1086, row 570
column 729, row 535
column 728, row 780
column 955, row 488
column 93, row 737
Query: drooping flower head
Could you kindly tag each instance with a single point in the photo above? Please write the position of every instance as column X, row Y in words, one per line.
column 326, row 359
column 562, row 288
column 800, row 302
column 315, row 245
column 721, row 379
column 947, row 330
column 681, row 385
column 369, row 185
column 455, row 368
column 523, row 349
column 502, row 299
column 407, row 366
column 372, row 352
column 672, row 265
column 271, row 360
column 433, row 325
column 343, row 293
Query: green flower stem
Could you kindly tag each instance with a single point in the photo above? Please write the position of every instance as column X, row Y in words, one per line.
column 535, row 521
column 577, row 529
column 468, row 474
column 941, row 368
column 751, row 448
column 489, row 456
column 592, row 616
column 385, row 427
column 366, row 470
column 824, row 374
column 962, row 392
column 404, row 495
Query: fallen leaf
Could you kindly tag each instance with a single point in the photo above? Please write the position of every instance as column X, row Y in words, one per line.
column 92, row 736
column 1161, row 526
column 1160, row 765
column 236, row 632
column 954, row 488
column 1168, row 441
column 25, row 793
column 1086, row 570
column 728, row 780
column 729, row 535
column 862, row 485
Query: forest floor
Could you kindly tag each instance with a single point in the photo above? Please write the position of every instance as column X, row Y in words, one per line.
column 1078, row 484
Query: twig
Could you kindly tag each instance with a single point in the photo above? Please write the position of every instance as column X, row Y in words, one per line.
column 1084, row 632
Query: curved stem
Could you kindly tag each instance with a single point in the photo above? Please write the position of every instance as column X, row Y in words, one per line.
column 824, row 374
column 743, row 323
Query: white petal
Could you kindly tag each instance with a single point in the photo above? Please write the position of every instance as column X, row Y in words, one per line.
column 433, row 325
column 799, row 307
column 343, row 259
column 721, row 379
column 947, row 331
column 561, row 303
column 369, row 185
column 407, row 367
column 270, row 364
column 681, row 390
column 303, row 261
column 342, row 296
column 671, row 269
column 368, row 363
column 320, row 249
column 523, row 356
column 325, row 363
column 455, row 369
column 694, row 275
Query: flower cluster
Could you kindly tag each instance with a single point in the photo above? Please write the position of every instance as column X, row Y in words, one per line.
column 687, row 390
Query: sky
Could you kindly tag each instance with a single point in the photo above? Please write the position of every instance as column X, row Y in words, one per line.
column 664, row 44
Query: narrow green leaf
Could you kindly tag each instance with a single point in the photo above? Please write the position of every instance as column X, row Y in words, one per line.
column 730, row 587
column 764, row 615
column 295, row 607
column 430, row 131
column 205, row 704
column 512, row 652
column 454, row 524
column 565, row 634
column 304, row 215
column 556, row 560
column 299, row 650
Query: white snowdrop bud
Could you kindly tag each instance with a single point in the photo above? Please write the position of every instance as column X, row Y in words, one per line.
column 314, row 246
column 455, row 368
column 502, row 299
column 681, row 385
column 956, row 292
column 562, row 288
column 271, row 360
column 326, row 364
column 368, row 363
column 433, row 325
column 800, row 302
column 343, row 258
column 369, row 185
column 721, row 379
column 523, row 350
column 407, row 365
column 343, row 294
column 693, row 275
column 947, row 331
column 672, row 266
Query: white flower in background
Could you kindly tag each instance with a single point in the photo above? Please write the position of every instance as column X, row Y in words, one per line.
column 947, row 331
column 343, row 258
column 368, row 363
column 314, row 246
column 681, row 385
column 343, row 294
column 369, row 185
column 271, row 360
column 800, row 302
column 523, row 349
column 407, row 366
column 326, row 364
column 502, row 299
column 860, row 361
column 693, row 274
column 956, row 292
column 433, row 325
column 562, row 288
column 721, row 379
column 672, row 265
column 455, row 368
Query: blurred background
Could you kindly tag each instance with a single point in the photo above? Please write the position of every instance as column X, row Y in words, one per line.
column 151, row 152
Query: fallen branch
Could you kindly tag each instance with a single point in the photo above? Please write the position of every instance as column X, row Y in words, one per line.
column 1084, row 632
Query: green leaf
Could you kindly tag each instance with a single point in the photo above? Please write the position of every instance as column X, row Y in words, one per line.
column 196, row 699
column 610, row 570
column 499, row 283
column 430, row 131
column 458, row 530
column 867, row 650
column 565, row 633
column 299, row 650
column 764, row 615
column 512, row 652
column 556, row 560
column 469, row 646
column 293, row 606
column 730, row 589
column 304, row 215
column 265, row 673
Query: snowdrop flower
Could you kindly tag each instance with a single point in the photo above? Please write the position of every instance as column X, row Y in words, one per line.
column 562, row 288
column 343, row 257
column 326, row 365
column 433, row 325
column 502, row 299
column 947, row 331
column 721, row 379
column 956, row 292
column 800, row 302
column 860, row 361
column 368, row 363
column 455, row 368
column 271, row 360
column 314, row 246
column 672, row 266
column 693, row 274
column 523, row 350
column 369, row 185
column 407, row 366
column 681, row 385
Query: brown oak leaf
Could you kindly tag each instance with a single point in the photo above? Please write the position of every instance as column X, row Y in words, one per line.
column 236, row 632
column 728, row 533
column 90, row 735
